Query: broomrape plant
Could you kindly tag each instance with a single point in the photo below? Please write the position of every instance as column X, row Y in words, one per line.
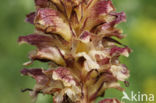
column 75, row 38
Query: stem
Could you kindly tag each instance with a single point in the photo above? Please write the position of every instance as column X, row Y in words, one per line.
column 85, row 98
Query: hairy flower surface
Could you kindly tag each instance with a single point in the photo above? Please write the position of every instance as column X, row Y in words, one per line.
column 76, row 38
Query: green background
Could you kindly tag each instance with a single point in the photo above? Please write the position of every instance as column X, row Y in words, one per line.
column 140, row 29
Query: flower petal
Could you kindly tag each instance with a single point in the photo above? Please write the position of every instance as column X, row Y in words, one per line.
column 67, row 5
column 36, row 40
column 104, row 80
column 120, row 72
column 97, row 14
column 44, row 82
column 46, row 48
column 36, row 74
column 120, row 17
column 85, row 37
column 50, row 21
column 117, row 50
column 49, row 53
column 102, row 7
column 64, row 75
column 107, row 30
column 72, row 90
column 41, row 3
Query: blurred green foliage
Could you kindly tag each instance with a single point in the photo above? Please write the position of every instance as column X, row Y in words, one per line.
column 141, row 37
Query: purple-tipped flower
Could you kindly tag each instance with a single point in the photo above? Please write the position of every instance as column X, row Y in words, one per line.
column 75, row 37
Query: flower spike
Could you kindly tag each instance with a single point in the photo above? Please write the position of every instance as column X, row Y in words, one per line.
column 78, row 40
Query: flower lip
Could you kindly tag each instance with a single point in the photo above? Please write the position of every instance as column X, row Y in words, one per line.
column 32, row 71
column 30, row 17
column 117, row 50
column 35, row 39
column 41, row 3
column 103, row 6
column 120, row 17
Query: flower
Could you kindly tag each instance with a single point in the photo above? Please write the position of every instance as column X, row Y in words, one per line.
column 75, row 38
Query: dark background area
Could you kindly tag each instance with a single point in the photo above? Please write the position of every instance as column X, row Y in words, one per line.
column 140, row 29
